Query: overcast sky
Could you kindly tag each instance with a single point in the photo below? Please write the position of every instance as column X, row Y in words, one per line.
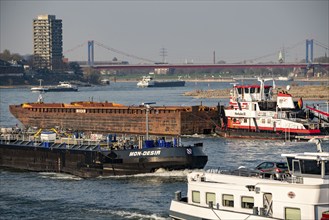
column 189, row 30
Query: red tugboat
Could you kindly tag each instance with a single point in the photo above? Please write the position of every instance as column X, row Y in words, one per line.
column 253, row 112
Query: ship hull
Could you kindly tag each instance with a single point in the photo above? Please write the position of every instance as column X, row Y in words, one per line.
column 56, row 89
column 93, row 162
column 125, row 120
column 267, row 135
column 252, row 134
column 167, row 84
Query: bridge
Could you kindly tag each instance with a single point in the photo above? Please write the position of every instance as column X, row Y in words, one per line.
column 207, row 66
column 151, row 64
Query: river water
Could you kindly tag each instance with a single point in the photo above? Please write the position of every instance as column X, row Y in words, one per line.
column 31, row 195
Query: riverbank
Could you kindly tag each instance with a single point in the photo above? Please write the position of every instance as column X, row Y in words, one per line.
column 308, row 92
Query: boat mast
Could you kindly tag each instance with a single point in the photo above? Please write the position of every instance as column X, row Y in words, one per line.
column 147, row 105
column 262, row 87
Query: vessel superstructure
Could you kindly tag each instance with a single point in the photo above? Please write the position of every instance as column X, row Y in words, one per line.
column 303, row 195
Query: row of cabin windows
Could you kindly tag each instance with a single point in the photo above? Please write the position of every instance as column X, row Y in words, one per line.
column 227, row 200
column 245, row 120
column 252, row 90
column 248, row 90
column 247, row 202
column 68, row 110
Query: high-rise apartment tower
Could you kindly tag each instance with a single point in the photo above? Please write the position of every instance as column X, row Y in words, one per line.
column 47, row 42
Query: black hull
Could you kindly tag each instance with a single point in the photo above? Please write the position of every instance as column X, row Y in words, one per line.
column 168, row 84
column 62, row 90
column 92, row 162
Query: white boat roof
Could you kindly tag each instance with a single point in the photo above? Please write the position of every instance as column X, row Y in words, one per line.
column 324, row 156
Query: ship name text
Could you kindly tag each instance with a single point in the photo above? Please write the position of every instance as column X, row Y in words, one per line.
column 240, row 113
column 145, row 153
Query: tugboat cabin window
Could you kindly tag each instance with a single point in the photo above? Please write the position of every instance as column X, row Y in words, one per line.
column 292, row 214
column 210, row 197
column 247, row 202
column 267, row 91
column 196, row 196
column 228, row 200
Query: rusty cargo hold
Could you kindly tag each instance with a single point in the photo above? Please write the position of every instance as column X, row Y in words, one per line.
column 106, row 117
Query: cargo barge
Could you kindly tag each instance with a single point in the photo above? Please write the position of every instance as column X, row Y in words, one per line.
column 107, row 117
column 92, row 159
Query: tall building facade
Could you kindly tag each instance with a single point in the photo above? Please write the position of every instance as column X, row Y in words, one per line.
column 47, row 42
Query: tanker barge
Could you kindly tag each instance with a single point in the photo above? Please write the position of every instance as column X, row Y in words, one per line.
column 86, row 158
column 107, row 117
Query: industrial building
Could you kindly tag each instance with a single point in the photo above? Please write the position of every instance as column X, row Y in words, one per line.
column 47, row 42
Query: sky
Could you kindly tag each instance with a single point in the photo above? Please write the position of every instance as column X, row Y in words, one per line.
column 188, row 30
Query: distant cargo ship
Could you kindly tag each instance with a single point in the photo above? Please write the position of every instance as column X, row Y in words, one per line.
column 148, row 81
column 61, row 87
column 106, row 117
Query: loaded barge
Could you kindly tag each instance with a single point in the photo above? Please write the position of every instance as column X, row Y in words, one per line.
column 107, row 117
column 87, row 158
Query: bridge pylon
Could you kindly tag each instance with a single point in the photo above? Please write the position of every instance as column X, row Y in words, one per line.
column 91, row 53
column 309, row 49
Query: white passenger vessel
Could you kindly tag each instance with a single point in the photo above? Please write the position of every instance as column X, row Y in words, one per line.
column 254, row 112
column 303, row 195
